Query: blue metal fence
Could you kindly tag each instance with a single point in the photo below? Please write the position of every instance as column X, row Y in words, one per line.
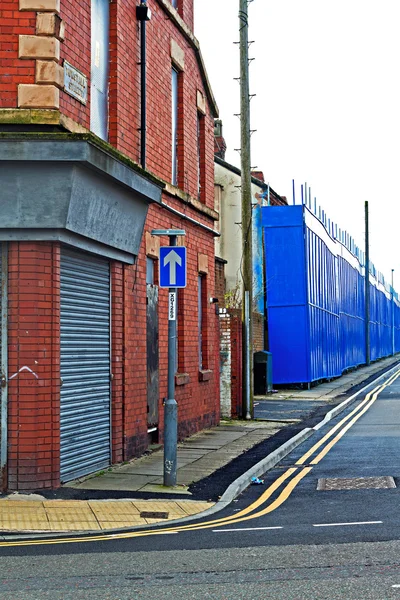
column 315, row 293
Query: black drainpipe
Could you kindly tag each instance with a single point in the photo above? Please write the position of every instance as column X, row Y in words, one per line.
column 143, row 14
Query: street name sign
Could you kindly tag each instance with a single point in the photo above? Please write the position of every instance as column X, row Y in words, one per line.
column 172, row 267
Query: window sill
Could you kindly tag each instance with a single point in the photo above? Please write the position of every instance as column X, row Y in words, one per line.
column 182, row 378
column 205, row 375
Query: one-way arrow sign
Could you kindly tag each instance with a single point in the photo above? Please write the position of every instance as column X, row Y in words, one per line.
column 173, row 266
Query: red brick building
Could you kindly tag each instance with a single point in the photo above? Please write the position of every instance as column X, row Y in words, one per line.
column 96, row 151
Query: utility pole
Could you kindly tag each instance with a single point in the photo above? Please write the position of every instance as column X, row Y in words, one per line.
column 247, row 245
column 392, row 315
column 367, row 290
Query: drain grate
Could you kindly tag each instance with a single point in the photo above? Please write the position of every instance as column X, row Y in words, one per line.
column 153, row 515
column 356, row 483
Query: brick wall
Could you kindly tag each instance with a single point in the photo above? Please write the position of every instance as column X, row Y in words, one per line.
column 226, row 364
column 220, row 287
column 124, row 81
column 76, row 50
column 258, row 332
column 231, row 358
column 236, row 376
column 186, row 11
column 34, row 267
column 118, row 363
column 34, row 365
column 198, row 401
column 14, row 23
column 124, row 106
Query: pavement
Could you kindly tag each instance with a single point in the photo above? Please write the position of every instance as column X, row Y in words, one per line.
column 214, row 466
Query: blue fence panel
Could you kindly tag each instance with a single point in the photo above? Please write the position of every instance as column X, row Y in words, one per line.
column 315, row 290
column 286, row 292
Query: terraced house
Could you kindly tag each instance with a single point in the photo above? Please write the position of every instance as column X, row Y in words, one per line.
column 106, row 133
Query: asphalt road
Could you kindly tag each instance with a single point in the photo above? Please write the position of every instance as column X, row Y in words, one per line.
column 283, row 539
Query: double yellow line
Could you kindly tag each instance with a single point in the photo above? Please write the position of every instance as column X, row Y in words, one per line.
column 291, row 478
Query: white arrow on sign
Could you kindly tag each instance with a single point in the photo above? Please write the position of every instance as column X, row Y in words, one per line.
column 173, row 259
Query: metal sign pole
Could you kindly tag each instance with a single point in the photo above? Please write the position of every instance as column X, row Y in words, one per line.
column 172, row 275
column 171, row 407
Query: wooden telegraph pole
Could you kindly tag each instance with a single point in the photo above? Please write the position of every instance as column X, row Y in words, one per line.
column 247, row 262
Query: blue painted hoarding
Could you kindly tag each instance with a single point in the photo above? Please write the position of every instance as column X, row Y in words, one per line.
column 315, row 290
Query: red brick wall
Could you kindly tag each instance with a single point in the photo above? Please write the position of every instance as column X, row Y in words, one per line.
column 220, row 287
column 124, row 114
column 124, row 117
column 236, row 346
column 34, row 267
column 33, row 342
column 76, row 50
column 186, row 11
column 13, row 70
column 117, row 358
column 198, row 401
column 258, row 332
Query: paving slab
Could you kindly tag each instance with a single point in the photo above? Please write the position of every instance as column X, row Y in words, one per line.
column 113, row 481
column 60, row 516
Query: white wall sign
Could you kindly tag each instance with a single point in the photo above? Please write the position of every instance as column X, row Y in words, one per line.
column 75, row 83
column 172, row 306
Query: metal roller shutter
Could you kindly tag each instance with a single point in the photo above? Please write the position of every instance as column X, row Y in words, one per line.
column 1, row 360
column 85, row 412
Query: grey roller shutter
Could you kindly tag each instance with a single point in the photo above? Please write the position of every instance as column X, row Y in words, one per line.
column 1, row 296
column 1, row 357
column 85, row 410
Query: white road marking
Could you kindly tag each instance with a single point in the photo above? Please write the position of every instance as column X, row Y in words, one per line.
column 244, row 529
column 344, row 524
column 396, row 586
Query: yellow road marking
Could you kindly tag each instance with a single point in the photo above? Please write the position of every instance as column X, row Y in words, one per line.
column 328, row 447
column 283, row 496
column 316, row 446
column 267, row 494
column 243, row 515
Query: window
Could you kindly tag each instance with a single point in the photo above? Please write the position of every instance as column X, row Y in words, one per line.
column 174, row 3
column 100, row 14
column 175, row 77
column 150, row 270
column 200, row 156
column 202, row 325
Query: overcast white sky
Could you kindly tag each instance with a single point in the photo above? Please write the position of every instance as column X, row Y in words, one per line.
column 326, row 78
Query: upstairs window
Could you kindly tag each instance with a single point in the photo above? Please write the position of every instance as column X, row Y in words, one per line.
column 202, row 322
column 175, row 81
column 200, row 157
column 100, row 17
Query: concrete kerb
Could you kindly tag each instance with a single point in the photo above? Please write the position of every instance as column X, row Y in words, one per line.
column 230, row 494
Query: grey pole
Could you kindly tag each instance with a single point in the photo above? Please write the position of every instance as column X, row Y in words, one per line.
column 3, row 361
column 247, row 240
column 392, row 298
column 247, row 408
column 171, row 407
column 367, row 290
